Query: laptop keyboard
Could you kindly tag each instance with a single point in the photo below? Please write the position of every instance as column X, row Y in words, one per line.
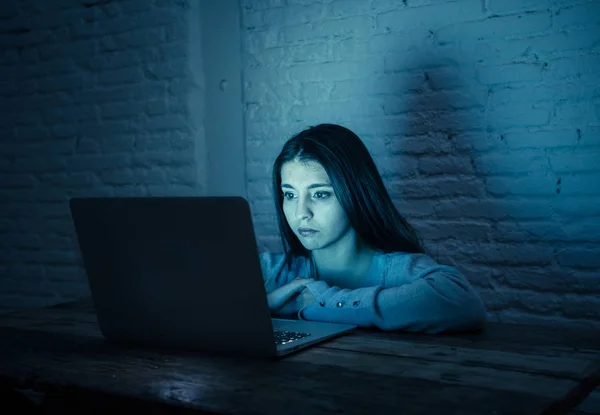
column 285, row 337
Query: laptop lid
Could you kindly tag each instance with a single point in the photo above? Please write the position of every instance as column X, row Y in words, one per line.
column 179, row 272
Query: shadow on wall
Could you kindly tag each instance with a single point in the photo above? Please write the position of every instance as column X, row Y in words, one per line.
column 468, row 219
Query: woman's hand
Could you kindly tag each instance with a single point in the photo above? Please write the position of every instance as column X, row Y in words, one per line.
column 297, row 302
column 279, row 297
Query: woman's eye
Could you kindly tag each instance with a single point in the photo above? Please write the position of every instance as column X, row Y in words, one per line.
column 317, row 195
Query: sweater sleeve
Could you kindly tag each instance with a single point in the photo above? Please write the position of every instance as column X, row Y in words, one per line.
column 275, row 271
column 418, row 295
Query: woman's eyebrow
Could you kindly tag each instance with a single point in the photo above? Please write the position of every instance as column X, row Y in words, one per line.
column 312, row 186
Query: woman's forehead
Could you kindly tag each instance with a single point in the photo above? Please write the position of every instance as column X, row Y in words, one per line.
column 295, row 171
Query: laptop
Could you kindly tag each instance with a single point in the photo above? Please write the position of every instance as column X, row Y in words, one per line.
column 183, row 273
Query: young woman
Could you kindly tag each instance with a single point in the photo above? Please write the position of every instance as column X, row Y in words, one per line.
column 350, row 257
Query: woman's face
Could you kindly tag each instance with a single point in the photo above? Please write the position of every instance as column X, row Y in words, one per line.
column 309, row 202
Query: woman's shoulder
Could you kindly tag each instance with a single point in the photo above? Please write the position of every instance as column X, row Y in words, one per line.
column 398, row 257
column 409, row 262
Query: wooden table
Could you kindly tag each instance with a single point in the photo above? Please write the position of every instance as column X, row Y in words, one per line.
column 506, row 369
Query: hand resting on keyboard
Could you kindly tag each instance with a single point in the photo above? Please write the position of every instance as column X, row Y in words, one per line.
column 280, row 296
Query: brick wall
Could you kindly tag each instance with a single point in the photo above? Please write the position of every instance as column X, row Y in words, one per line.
column 95, row 101
column 483, row 116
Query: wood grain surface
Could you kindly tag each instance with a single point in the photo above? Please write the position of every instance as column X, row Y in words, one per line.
column 505, row 369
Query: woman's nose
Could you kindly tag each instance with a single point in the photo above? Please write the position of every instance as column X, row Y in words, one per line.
column 303, row 211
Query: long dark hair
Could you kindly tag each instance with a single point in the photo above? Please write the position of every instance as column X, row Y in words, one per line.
column 357, row 185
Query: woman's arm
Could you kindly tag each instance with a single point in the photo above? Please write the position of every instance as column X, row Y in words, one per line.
column 278, row 297
column 437, row 302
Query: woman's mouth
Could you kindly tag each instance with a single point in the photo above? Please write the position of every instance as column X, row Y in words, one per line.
column 307, row 232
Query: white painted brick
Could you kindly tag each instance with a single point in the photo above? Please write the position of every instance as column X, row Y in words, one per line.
column 126, row 176
column 564, row 305
column 415, row 59
column 117, row 144
column 430, row 144
column 551, row 91
column 133, row 39
column 82, row 163
column 546, row 279
column 292, row 15
column 577, row 206
column 83, row 49
column 349, row 27
column 19, row 181
column 585, row 161
column 494, row 209
column 257, row 41
column 505, row 6
column 580, row 184
column 273, row 74
column 443, row 100
column 388, row 84
column 270, row 4
column 541, row 139
column 580, row 257
column 531, row 186
column 399, row 42
column 436, row 187
column 151, row 142
column 173, row 69
column 495, row 27
column 61, row 83
column 10, row 302
column 120, row 76
column 415, row 208
column 449, row 165
column 580, row 68
column 454, row 121
column 519, row 115
column 340, row 110
column 155, row 106
column 128, row 190
column 525, row 161
column 116, row 110
column 501, row 253
column 316, row 92
column 439, row 230
column 38, row 163
column 545, row 232
column 519, row 72
column 256, row 112
column 106, row 128
column 166, row 122
column 586, row 14
column 259, row 191
column 429, row 17
column 60, row 19
column 350, row 49
column 511, row 93
column 396, row 166
column 252, row 20
column 344, row 8
column 534, row 48
column 133, row 6
column 288, row 55
column 567, row 114
column 57, row 66
column 142, row 92
column 336, row 70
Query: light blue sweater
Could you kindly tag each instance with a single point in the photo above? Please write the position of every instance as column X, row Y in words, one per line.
column 402, row 291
